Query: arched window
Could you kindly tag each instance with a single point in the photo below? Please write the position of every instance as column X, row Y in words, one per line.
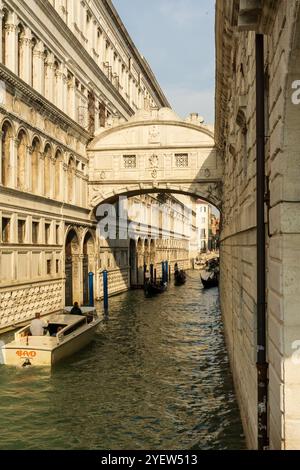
column 47, row 174
column 71, row 179
column 21, row 159
column 7, row 134
column 58, row 174
column 36, row 146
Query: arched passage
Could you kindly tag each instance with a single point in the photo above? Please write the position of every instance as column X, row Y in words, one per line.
column 47, row 168
column 7, row 136
column 35, row 158
column 72, row 284
column 21, row 159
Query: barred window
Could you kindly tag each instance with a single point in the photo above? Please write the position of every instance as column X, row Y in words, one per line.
column 182, row 160
column 129, row 161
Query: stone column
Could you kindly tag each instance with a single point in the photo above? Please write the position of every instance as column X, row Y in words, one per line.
column 59, row 88
column 72, row 98
column 38, row 79
column 25, row 45
column 11, row 39
column 49, row 77
column 65, row 89
column 1, row 19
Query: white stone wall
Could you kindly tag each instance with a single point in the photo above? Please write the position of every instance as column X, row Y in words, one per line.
column 238, row 236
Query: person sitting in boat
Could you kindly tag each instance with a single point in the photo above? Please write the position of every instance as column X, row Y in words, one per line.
column 58, row 330
column 76, row 310
column 37, row 326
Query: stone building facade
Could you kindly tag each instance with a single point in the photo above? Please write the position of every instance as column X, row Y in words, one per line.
column 67, row 70
column 236, row 25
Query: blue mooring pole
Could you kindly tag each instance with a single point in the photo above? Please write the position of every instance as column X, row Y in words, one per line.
column 163, row 271
column 91, row 289
column 105, row 291
column 167, row 271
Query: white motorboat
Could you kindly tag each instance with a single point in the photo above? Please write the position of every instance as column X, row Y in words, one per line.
column 67, row 333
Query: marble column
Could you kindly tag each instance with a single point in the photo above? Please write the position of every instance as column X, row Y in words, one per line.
column 38, row 79
column 25, row 45
column 11, row 40
column 1, row 19
column 72, row 98
column 49, row 77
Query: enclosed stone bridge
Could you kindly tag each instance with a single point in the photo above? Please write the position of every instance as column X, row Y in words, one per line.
column 155, row 152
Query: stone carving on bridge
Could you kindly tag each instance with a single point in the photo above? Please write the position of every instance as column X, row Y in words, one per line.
column 154, row 174
column 154, row 135
column 154, row 161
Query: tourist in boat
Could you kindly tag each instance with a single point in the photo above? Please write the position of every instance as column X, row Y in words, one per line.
column 76, row 310
column 37, row 326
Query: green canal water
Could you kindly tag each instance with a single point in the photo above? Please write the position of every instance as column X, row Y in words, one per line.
column 156, row 377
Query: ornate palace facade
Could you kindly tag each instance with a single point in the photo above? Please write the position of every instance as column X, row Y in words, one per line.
column 68, row 69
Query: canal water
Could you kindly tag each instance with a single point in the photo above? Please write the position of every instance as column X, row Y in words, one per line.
column 156, row 377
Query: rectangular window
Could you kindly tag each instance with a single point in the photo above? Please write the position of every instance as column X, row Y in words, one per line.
column 57, row 266
column 182, row 160
column 48, row 266
column 129, row 161
column 35, row 233
column 5, row 229
column 21, row 231
column 47, row 233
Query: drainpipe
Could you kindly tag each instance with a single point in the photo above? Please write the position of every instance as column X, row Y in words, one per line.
column 262, row 365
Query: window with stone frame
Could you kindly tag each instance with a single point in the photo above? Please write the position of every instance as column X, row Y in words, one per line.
column 129, row 161
column 5, row 229
column 35, row 232
column 21, row 231
column 182, row 160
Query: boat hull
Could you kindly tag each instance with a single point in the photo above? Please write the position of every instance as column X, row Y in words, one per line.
column 48, row 354
column 210, row 282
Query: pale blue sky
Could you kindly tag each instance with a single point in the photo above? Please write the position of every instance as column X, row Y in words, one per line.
column 177, row 39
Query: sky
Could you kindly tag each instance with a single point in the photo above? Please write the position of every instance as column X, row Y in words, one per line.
column 177, row 39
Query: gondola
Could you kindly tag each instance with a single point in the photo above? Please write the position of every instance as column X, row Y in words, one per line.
column 179, row 277
column 153, row 288
column 211, row 281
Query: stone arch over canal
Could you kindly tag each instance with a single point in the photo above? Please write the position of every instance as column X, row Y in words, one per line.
column 155, row 152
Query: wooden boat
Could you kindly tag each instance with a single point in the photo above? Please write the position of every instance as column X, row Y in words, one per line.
column 212, row 280
column 67, row 334
column 154, row 288
column 179, row 277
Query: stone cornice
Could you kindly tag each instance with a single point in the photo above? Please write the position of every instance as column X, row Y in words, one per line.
column 41, row 104
column 55, row 205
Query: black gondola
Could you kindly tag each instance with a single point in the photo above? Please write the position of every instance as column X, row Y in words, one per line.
column 154, row 288
column 211, row 281
column 179, row 277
